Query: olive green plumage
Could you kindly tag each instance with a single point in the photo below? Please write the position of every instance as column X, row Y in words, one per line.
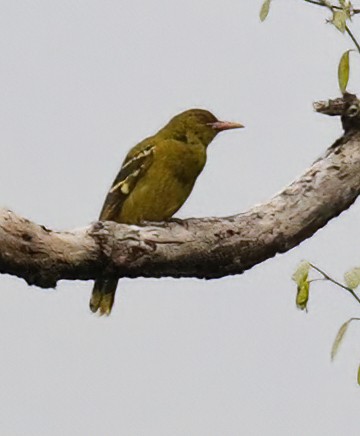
column 156, row 178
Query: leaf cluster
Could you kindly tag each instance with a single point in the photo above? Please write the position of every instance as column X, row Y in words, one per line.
column 351, row 282
column 341, row 16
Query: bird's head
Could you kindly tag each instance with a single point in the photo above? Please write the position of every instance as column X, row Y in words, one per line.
column 196, row 125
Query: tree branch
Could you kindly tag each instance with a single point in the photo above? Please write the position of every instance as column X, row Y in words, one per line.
column 204, row 248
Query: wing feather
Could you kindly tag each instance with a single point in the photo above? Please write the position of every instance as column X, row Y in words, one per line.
column 132, row 170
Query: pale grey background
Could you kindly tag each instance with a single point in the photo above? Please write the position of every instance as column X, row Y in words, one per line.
column 81, row 82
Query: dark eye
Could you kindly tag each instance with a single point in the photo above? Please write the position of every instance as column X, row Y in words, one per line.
column 353, row 110
column 182, row 138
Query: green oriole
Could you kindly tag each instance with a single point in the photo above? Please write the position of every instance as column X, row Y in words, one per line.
column 156, row 178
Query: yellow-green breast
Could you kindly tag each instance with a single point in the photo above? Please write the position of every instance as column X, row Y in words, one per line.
column 166, row 184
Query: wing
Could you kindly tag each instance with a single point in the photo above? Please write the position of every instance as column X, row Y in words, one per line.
column 134, row 167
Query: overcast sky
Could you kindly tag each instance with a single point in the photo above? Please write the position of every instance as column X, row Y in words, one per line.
column 80, row 83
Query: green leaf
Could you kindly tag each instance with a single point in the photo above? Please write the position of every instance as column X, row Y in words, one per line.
column 302, row 296
column 352, row 278
column 347, row 7
column 339, row 20
column 340, row 336
column 300, row 277
column 344, row 71
column 264, row 11
column 301, row 273
column 358, row 375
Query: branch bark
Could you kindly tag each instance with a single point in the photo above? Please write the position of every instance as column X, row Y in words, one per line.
column 203, row 248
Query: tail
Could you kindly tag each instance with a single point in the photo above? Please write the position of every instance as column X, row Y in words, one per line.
column 103, row 296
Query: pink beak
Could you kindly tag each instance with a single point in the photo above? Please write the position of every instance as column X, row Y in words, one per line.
column 225, row 125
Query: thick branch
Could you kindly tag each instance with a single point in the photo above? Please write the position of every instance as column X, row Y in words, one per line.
column 204, row 248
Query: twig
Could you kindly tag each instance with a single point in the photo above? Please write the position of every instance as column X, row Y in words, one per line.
column 348, row 31
column 334, row 7
column 323, row 4
column 336, row 282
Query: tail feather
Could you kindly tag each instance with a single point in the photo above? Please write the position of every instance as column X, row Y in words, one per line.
column 103, row 296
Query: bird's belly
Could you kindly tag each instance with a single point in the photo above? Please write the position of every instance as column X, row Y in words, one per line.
column 156, row 201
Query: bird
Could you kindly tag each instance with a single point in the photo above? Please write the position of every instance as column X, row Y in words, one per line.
column 156, row 177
